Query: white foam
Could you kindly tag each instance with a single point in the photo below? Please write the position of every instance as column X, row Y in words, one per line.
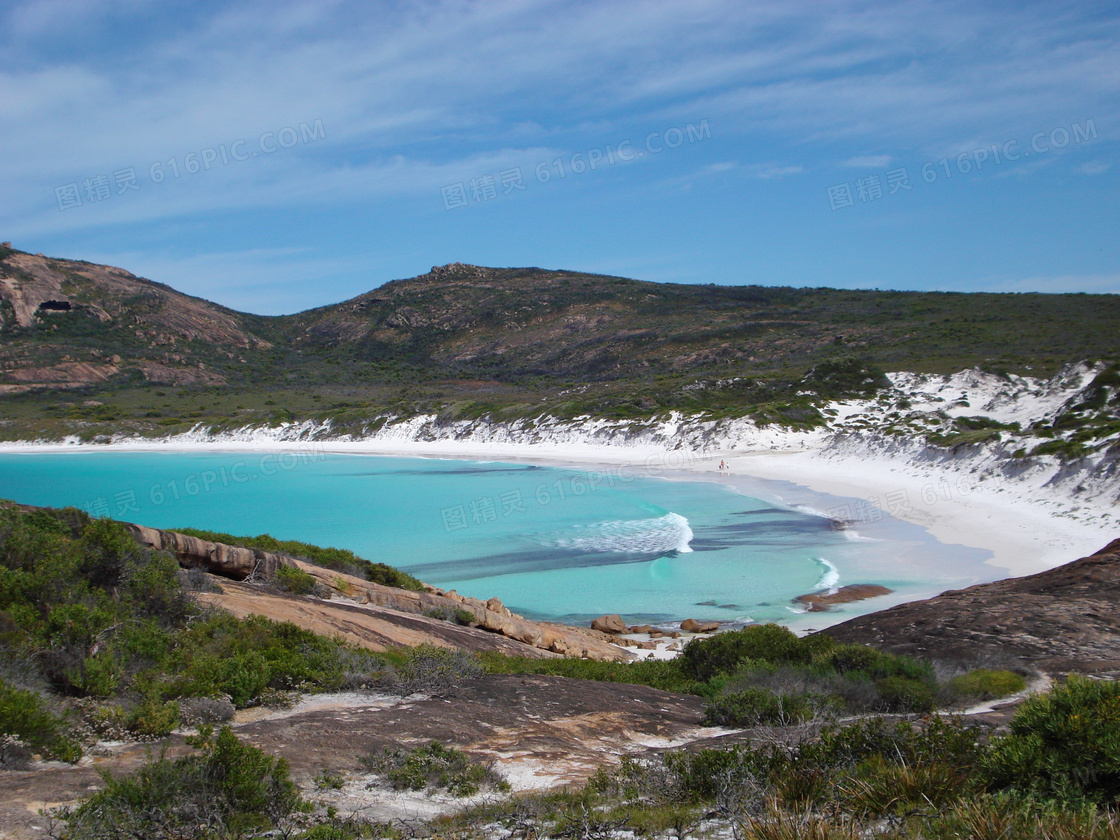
column 662, row 535
column 829, row 578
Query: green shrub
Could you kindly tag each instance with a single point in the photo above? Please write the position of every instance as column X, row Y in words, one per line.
column 459, row 615
column 428, row 669
column 902, row 694
column 433, row 766
column 24, row 716
column 984, row 684
column 153, row 718
column 295, row 580
column 703, row 659
column 759, row 707
column 228, row 789
column 665, row 674
column 1064, row 745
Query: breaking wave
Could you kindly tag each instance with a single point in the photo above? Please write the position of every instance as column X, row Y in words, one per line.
column 830, row 576
column 662, row 535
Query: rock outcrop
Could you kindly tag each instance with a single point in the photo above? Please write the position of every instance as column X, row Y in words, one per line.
column 821, row 601
column 1061, row 620
column 609, row 624
column 691, row 625
column 243, row 564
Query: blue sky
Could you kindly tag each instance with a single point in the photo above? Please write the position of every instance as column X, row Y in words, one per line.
column 276, row 156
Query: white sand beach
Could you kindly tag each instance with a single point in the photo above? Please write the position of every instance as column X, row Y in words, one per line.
column 1026, row 527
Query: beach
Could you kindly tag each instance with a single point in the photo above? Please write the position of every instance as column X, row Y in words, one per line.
column 1025, row 528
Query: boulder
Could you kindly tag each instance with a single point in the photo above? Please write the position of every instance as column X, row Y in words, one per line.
column 691, row 625
column 609, row 624
column 641, row 628
column 821, row 601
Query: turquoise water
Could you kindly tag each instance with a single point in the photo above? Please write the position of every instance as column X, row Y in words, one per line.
column 553, row 543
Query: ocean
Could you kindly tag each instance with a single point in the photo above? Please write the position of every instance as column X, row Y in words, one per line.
column 552, row 543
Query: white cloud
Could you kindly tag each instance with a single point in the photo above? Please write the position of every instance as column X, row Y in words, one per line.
column 869, row 162
column 1095, row 167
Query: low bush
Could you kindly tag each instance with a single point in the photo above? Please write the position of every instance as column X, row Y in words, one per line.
column 902, row 694
column 759, row 707
column 428, row 669
column 459, row 615
column 664, row 674
column 195, row 711
column 295, row 580
column 153, row 718
column 982, row 684
column 1063, row 746
column 433, row 767
column 228, row 789
column 703, row 659
column 31, row 727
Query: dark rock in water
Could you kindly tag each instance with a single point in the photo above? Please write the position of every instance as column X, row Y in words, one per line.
column 609, row 624
column 706, row 604
column 821, row 601
column 691, row 625
column 1061, row 620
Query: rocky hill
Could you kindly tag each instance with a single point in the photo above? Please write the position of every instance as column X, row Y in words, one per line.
column 1059, row 621
column 67, row 323
column 84, row 349
column 370, row 614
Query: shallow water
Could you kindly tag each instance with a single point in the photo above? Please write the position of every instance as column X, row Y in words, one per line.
column 562, row 544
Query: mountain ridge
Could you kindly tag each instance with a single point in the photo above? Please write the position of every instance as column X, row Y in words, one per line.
column 87, row 348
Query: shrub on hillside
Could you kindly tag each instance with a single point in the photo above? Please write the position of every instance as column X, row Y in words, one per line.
column 759, row 707
column 27, row 726
column 981, row 684
column 1064, row 745
column 428, row 669
column 295, row 580
column 227, row 789
column 433, row 766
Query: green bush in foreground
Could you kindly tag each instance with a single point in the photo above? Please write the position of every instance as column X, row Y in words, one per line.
column 25, row 718
column 94, row 615
column 1063, row 746
column 227, row 790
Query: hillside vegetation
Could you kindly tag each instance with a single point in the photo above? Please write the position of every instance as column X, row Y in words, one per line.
column 91, row 350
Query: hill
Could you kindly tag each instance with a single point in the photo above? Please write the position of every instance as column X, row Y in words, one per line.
column 88, row 350
column 1058, row 621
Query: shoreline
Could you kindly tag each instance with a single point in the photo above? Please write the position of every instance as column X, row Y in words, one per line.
column 1023, row 536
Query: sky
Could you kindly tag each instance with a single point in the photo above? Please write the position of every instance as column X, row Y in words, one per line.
column 277, row 156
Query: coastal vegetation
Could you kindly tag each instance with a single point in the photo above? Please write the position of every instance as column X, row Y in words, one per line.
column 103, row 640
column 765, row 674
